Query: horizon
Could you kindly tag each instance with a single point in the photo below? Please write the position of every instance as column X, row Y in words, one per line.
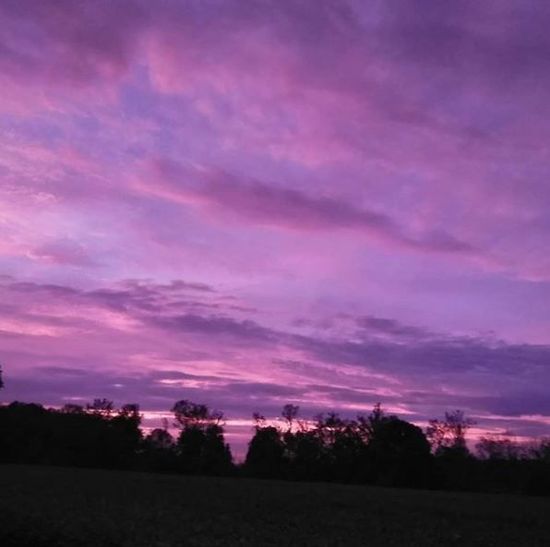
column 326, row 204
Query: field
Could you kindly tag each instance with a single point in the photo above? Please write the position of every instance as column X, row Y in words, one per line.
column 57, row 507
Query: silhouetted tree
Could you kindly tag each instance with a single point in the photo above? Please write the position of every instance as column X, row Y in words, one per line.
column 69, row 436
column 377, row 448
column 125, row 435
column 497, row 448
column 290, row 413
column 160, row 439
column 399, row 453
column 449, row 434
column 306, row 455
column 329, row 427
column 100, row 407
column 159, row 451
column 130, row 411
column 369, row 424
column 201, row 445
column 540, row 450
column 1, row 378
column 71, row 408
column 455, row 467
column 259, row 420
column 342, row 448
column 499, row 465
column 265, row 456
column 538, row 482
column 24, row 433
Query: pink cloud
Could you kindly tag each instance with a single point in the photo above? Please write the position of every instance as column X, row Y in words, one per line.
column 282, row 207
column 62, row 252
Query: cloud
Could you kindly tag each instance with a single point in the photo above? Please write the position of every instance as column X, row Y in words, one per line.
column 282, row 207
column 68, row 42
column 64, row 252
column 409, row 368
column 390, row 327
column 437, row 357
column 418, row 111
column 217, row 327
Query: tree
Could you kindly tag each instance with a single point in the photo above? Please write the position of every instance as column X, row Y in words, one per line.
column 305, row 454
column 130, row 411
column 455, row 468
column 367, row 426
column 216, row 455
column 265, row 454
column 71, row 408
column 330, row 427
column 399, row 453
column 101, row 407
column 449, row 434
column 495, row 447
column 160, row 439
column 1, row 379
column 259, row 420
column 539, row 467
column 159, row 452
column 290, row 413
column 125, row 434
column 193, row 415
column 201, row 443
column 342, row 446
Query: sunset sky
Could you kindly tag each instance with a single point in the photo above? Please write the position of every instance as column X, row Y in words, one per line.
column 251, row 203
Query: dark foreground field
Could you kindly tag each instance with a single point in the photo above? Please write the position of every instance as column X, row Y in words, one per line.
column 67, row 507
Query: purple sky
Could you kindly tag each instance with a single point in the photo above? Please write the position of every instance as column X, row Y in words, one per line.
column 259, row 202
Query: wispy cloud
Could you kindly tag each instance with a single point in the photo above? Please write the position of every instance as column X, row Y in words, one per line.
column 278, row 206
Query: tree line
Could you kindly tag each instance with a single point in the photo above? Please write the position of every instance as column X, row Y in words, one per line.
column 377, row 448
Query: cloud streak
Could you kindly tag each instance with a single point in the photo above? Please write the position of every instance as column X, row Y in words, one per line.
column 281, row 207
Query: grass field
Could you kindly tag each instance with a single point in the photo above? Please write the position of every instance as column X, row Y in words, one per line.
column 42, row 507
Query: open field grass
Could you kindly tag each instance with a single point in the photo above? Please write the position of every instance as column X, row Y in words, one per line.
column 50, row 507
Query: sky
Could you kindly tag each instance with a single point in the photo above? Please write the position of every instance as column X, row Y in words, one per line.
column 254, row 203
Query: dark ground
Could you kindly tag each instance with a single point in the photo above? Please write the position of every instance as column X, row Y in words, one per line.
column 52, row 507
